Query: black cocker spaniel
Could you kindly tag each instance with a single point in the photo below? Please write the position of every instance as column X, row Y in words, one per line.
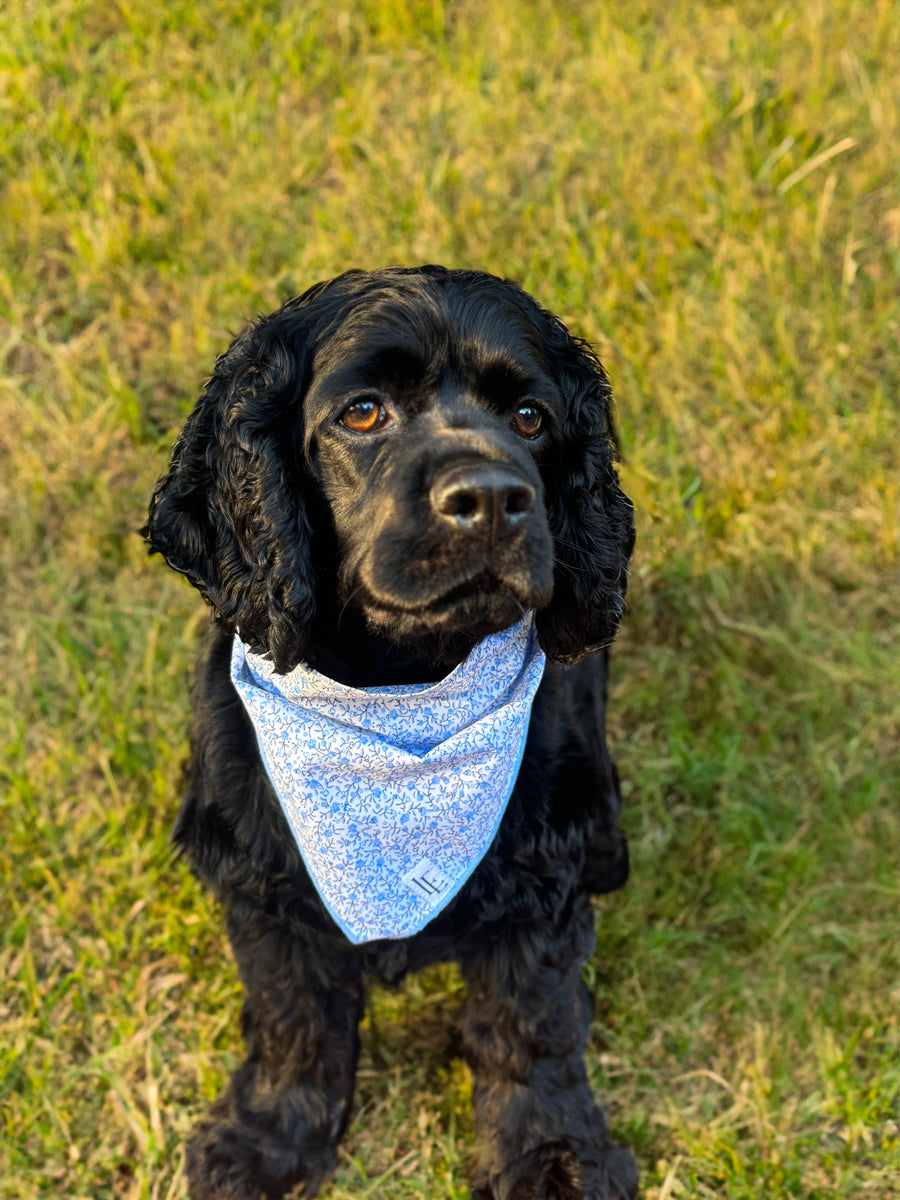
column 390, row 470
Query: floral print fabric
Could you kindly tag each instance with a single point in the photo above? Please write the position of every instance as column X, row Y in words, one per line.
column 394, row 794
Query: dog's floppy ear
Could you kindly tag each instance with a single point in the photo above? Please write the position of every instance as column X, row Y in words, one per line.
column 591, row 518
column 229, row 512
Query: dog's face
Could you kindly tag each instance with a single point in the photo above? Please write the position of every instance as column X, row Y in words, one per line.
column 428, row 449
column 427, row 427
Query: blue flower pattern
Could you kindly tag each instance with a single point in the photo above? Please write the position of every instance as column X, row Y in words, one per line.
column 394, row 794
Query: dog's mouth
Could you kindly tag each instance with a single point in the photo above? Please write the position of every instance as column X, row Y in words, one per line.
column 478, row 607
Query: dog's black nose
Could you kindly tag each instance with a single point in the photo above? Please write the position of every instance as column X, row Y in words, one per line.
column 486, row 499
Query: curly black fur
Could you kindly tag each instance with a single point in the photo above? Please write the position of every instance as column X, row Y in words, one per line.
column 363, row 553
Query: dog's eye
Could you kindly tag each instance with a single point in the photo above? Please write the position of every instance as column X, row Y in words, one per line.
column 528, row 420
column 365, row 416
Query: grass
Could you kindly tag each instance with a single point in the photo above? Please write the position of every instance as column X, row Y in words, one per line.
column 707, row 192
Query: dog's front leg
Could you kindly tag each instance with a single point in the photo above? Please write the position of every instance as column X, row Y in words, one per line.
column 542, row 1136
column 278, row 1123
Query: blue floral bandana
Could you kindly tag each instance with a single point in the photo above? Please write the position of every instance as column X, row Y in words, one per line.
column 394, row 794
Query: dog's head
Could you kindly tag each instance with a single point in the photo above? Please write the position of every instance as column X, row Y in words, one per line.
column 427, row 448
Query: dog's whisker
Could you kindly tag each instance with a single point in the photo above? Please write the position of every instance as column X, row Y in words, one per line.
column 571, row 569
column 347, row 603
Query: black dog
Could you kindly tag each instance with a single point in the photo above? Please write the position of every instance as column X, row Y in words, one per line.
column 392, row 467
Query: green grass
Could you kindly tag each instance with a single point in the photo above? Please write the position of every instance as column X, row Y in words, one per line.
column 709, row 192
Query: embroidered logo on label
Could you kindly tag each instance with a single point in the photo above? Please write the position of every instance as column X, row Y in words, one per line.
column 427, row 881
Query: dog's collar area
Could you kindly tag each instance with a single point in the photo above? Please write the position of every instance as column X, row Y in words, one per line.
column 394, row 793
column 378, row 662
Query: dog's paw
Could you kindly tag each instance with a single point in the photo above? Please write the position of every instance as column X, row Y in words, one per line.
column 616, row 1178
column 226, row 1161
column 555, row 1170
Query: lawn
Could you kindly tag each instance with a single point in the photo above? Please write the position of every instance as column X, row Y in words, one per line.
column 708, row 192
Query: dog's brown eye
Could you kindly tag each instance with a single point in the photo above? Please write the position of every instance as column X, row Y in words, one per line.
column 365, row 416
column 528, row 421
